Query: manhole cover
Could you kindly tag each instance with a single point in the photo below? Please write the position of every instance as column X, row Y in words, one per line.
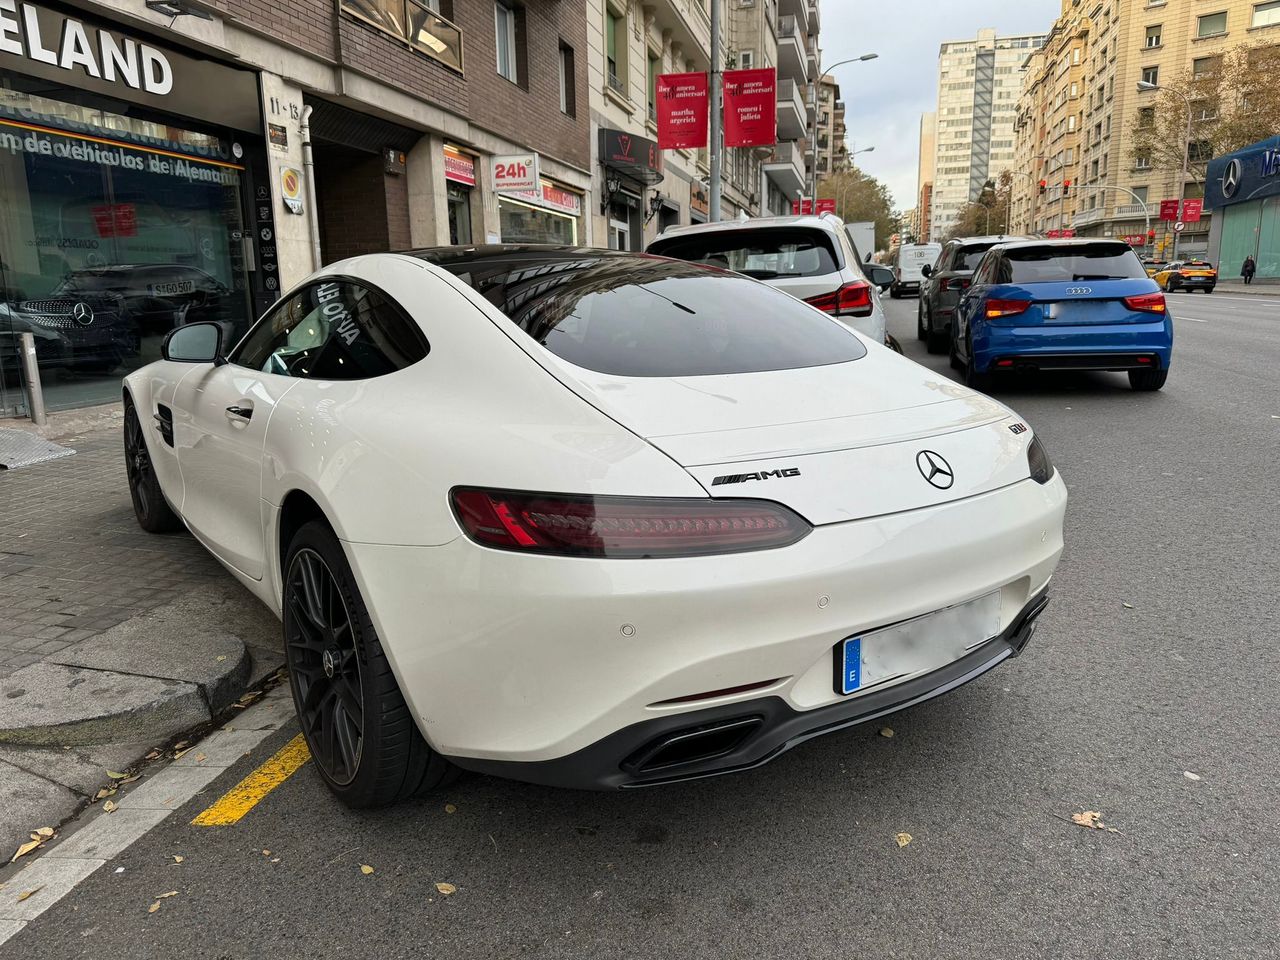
column 18, row 448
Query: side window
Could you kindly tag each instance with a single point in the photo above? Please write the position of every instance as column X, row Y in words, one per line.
column 335, row 330
column 1003, row 271
column 983, row 274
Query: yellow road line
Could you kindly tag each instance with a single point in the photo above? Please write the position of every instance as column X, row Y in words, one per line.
column 246, row 794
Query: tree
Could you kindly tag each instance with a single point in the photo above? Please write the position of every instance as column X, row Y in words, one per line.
column 987, row 214
column 861, row 198
column 1234, row 102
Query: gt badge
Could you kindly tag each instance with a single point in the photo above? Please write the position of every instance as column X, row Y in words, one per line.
column 1018, row 427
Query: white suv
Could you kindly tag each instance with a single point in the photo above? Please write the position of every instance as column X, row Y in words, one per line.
column 809, row 257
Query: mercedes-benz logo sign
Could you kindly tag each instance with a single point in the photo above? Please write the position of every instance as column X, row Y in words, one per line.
column 329, row 662
column 82, row 314
column 1231, row 177
column 934, row 468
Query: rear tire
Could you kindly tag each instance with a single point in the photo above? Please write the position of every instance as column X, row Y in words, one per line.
column 937, row 340
column 921, row 331
column 357, row 725
column 954, row 359
column 894, row 292
column 1147, row 380
column 1208, row 289
column 151, row 509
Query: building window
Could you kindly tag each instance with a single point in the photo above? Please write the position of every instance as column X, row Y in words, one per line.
column 504, row 18
column 1200, row 151
column 655, row 70
column 1265, row 14
column 747, row 58
column 1140, row 194
column 1142, row 160
column 1205, row 66
column 1153, row 36
column 423, row 23
column 1211, row 24
column 1146, row 119
column 1151, row 75
column 568, row 99
column 1204, row 110
column 615, row 48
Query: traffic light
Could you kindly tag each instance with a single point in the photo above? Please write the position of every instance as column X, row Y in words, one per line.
column 1151, row 236
column 1044, row 185
column 1066, row 188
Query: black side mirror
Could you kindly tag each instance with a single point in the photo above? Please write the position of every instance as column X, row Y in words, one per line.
column 926, row 271
column 882, row 277
column 194, row 343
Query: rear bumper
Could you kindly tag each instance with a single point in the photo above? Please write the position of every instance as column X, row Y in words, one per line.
column 1111, row 346
column 741, row 736
column 1195, row 283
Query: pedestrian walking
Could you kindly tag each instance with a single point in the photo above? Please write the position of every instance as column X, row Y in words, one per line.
column 1248, row 270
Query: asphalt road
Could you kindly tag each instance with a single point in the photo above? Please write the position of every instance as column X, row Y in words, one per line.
column 1158, row 658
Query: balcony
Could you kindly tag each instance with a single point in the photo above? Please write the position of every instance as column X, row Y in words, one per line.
column 414, row 22
column 1135, row 209
column 799, row 9
column 1086, row 217
column 785, row 167
column 811, row 61
column 791, row 56
column 793, row 117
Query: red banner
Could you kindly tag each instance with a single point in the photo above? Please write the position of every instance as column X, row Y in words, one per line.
column 1191, row 210
column 1168, row 209
column 751, row 108
column 799, row 207
column 115, row 219
column 682, row 111
column 827, row 206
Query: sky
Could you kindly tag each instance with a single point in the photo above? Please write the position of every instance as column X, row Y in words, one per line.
column 885, row 97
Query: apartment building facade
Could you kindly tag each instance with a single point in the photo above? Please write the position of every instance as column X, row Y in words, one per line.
column 921, row 228
column 832, row 146
column 1117, row 193
column 979, row 83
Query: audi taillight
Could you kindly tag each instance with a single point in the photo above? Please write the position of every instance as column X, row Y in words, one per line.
column 853, row 299
column 622, row 527
column 1006, row 308
column 1147, row 303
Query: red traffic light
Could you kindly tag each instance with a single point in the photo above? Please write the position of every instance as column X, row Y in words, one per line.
column 1151, row 235
column 1066, row 187
column 1044, row 185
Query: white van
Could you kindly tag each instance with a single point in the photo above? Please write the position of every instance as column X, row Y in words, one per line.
column 911, row 258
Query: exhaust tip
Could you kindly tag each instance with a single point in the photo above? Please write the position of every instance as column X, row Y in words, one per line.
column 692, row 745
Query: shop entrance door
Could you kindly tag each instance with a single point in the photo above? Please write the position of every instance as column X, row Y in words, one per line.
column 619, row 228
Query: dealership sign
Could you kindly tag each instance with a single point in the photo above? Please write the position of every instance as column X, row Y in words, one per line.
column 682, row 111
column 1168, row 209
column 43, row 36
column 516, row 173
column 750, row 108
column 1191, row 210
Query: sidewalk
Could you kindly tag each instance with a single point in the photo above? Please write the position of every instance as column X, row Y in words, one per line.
column 1259, row 288
column 112, row 641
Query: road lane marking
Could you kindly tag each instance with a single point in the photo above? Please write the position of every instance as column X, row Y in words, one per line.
column 1261, row 300
column 250, row 791
column 1192, row 319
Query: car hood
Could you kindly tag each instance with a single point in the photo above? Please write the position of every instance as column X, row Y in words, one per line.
column 835, row 443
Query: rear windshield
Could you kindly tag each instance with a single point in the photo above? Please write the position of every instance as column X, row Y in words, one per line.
column 1197, row 263
column 636, row 316
column 1054, row 264
column 766, row 254
column 968, row 257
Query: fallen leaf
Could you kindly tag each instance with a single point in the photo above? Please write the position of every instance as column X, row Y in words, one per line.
column 29, row 893
column 886, row 731
column 136, row 776
column 201, row 758
column 1127, row 606
column 446, row 888
column 116, row 776
column 109, row 806
column 179, row 754
column 366, row 869
column 178, row 858
column 266, row 853
column 154, row 907
column 166, row 896
column 275, row 859
column 181, row 744
column 104, row 793
column 47, row 832
column 153, row 755
column 903, row 839
column 450, row 808
column 1090, row 819
column 220, row 659
column 1190, row 776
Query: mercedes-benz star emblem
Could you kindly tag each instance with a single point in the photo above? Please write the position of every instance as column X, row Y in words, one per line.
column 329, row 662
column 934, row 468
column 1231, row 177
column 82, row 314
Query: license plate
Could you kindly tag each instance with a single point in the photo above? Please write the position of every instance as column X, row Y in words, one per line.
column 915, row 646
column 170, row 289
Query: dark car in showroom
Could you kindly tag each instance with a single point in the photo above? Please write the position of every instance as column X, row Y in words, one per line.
column 89, row 333
column 944, row 282
column 156, row 297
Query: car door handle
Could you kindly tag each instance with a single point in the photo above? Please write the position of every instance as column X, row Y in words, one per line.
column 240, row 411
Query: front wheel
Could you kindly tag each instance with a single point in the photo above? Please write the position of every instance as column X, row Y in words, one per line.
column 357, row 725
column 151, row 509
column 1147, row 380
column 1208, row 289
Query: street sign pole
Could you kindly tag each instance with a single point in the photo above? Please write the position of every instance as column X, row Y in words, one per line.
column 716, row 77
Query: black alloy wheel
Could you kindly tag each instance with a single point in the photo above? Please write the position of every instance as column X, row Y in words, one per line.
column 149, row 505
column 324, row 667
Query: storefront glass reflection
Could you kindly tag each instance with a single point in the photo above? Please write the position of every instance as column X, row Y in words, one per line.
column 115, row 230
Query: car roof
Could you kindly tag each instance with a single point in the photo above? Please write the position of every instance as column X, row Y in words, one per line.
column 994, row 238
column 459, row 256
column 822, row 221
column 1065, row 242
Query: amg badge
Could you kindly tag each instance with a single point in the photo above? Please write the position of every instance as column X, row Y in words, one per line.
column 762, row 475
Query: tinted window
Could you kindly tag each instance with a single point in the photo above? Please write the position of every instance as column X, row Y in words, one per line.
column 762, row 254
column 647, row 317
column 335, row 330
column 968, row 258
column 1054, row 264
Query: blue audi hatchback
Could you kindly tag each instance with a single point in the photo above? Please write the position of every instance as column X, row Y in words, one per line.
column 1076, row 304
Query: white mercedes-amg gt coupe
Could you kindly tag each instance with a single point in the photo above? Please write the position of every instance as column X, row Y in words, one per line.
column 589, row 518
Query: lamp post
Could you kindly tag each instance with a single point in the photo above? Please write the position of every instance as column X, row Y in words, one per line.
column 813, row 127
column 846, row 187
column 1143, row 87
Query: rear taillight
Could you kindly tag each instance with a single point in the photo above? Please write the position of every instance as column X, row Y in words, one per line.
column 1006, row 308
column 853, row 299
column 622, row 527
column 1147, row 302
column 953, row 283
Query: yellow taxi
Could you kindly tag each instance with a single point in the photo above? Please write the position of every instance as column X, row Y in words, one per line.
column 1186, row 275
column 1154, row 266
